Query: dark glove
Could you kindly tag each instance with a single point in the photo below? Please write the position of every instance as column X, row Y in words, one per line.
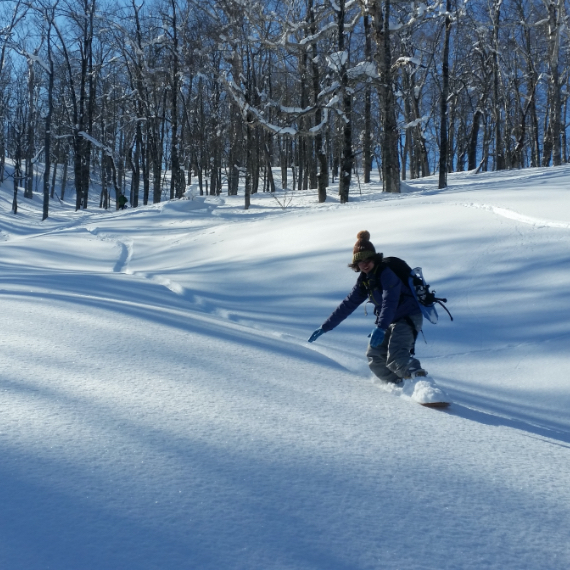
column 376, row 337
column 316, row 335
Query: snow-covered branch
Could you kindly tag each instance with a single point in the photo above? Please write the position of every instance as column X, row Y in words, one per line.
column 106, row 149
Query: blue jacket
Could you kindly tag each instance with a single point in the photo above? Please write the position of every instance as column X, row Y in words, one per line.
column 392, row 299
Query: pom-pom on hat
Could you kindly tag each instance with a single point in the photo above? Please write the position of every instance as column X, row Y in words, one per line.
column 363, row 248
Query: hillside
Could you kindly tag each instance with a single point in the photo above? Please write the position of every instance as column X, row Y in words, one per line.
column 161, row 408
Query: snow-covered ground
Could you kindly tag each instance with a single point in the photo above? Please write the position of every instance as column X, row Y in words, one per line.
column 161, row 409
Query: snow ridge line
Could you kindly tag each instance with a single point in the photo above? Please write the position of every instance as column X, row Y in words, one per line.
column 180, row 312
column 512, row 215
column 160, row 280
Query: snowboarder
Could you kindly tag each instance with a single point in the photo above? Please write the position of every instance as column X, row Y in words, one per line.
column 390, row 351
column 122, row 202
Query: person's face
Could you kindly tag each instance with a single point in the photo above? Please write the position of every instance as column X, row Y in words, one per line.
column 366, row 265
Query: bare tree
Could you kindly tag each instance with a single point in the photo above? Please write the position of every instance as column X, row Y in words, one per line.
column 556, row 19
column 346, row 95
column 49, row 16
column 390, row 163
column 443, row 129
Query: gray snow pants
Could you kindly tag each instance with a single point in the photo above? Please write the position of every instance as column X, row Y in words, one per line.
column 392, row 359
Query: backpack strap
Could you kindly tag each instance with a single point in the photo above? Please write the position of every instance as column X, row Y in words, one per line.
column 441, row 303
column 369, row 283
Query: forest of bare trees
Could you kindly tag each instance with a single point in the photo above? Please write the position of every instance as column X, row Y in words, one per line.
column 144, row 97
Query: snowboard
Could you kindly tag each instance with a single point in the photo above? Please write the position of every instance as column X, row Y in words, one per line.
column 425, row 392
column 422, row 391
column 436, row 404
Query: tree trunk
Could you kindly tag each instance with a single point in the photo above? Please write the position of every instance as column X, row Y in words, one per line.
column 29, row 181
column 499, row 151
column 367, row 143
column 47, row 144
column 176, row 188
column 554, row 23
column 444, row 134
column 2, row 159
column 284, row 159
column 64, row 176
column 249, row 166
column 390, row 161
column 77, row 168
column 17, row 172
column 53, row 179
column 88, row 79
column 134, row 159
column 104, row 198
column 269, row 172
column 474, row 141
column 347, row 154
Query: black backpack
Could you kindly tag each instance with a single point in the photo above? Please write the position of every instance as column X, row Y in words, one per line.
column 415, row 280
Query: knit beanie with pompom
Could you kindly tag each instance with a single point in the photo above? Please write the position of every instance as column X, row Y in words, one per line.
column 363, row 248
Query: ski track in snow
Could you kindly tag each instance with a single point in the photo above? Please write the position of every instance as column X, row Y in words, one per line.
column 125, row 245
column 122, row 264
column 512, row 215
column 124, row 259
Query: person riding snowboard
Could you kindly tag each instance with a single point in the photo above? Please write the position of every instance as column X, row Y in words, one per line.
column 398, row 316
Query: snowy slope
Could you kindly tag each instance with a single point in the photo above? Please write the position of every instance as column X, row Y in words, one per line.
column 161, row 408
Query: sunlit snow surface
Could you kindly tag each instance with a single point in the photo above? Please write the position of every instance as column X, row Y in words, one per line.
column 161, row 409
